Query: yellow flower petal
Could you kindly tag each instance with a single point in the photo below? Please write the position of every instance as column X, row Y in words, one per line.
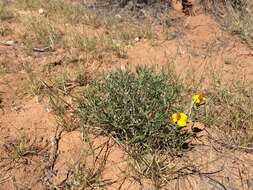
column 174, row 117
column 181, row 123
column 199, row 99
column 179, row 118
column 196, row 99
column 183, row 116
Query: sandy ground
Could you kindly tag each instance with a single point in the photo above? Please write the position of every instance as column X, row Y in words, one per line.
column 197, row 48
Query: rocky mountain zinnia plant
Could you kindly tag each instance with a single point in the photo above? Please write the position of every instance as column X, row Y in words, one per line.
column 135, row 108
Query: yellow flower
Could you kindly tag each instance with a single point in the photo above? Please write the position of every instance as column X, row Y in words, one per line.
column 180, row 119
column 199, row 99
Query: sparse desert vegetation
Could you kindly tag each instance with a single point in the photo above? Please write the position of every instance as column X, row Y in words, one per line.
column 126, row 94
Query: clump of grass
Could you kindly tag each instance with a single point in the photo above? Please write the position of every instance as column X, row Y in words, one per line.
column 241, row 25
column 5, row 12
column 58, row 104
column 60, row 10
column 144, row 31
column 230, row 108
column 114, row 46
column 157, row 167
column 64, row 115
column 114, row 43
column 81, row 41
column 235, row 15
column 35, row 86
column 87, row 173
column 19, row 148
column 26, row 4
column 95, row 45
column 58, row 92
column 40, row 32
column 83, row 177
column 62, row 82
column 135, row 108
column 147, row 31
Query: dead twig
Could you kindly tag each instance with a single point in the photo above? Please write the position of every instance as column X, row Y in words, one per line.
column 53, row 93
column 55, row 144
column 8, row 43
column 51, row 160
column 41, row 49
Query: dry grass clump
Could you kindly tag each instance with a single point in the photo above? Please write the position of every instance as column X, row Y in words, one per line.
column 61, row 11
column 5, row 12
column 40, row 32
column 230, row 108
column 18, row 149
column 235, row 15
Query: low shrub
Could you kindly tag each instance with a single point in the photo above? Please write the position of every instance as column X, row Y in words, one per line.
column 135, row 108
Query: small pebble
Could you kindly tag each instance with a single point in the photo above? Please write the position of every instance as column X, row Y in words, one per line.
column 41, row 11
column 10, row 43
column 118, row 16
column 137, row 39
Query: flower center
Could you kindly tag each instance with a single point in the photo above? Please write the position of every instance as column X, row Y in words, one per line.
column 178, row 116
column 201, row 97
